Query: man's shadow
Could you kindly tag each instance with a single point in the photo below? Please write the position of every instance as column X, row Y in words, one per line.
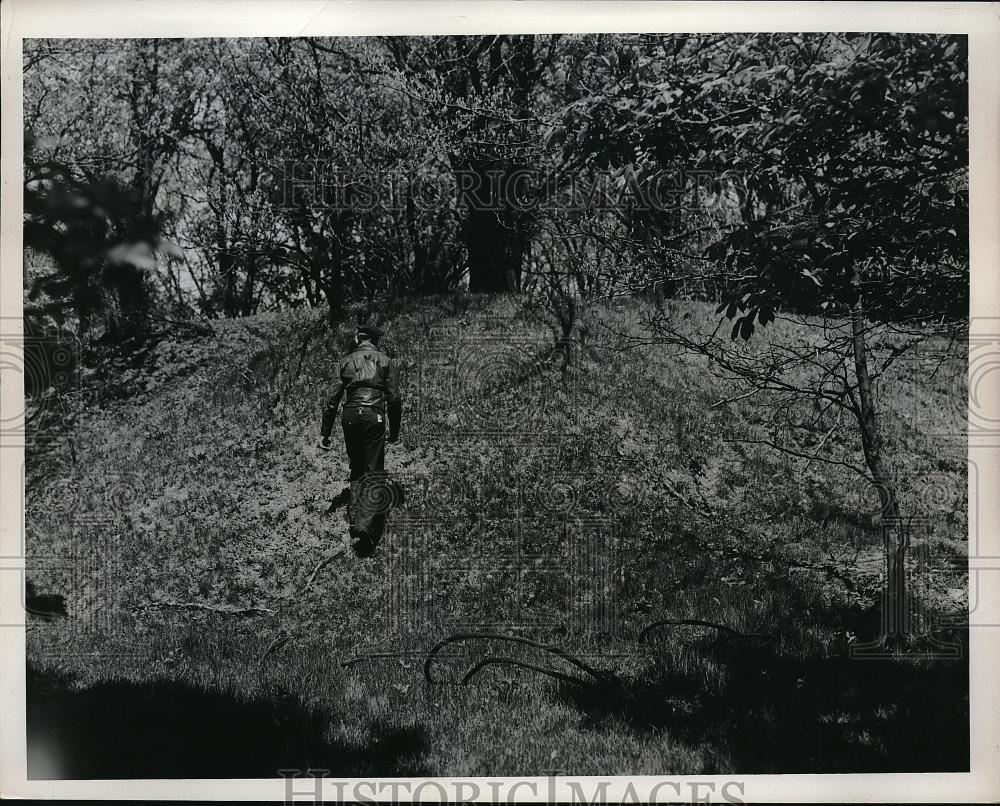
column 373, row 500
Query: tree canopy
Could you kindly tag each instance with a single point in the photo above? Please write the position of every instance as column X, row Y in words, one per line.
column 776, row 171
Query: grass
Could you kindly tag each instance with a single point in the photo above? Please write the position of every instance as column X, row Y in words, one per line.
column 200, row 483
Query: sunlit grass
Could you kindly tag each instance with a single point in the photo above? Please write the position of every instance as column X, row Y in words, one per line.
column 207, row 488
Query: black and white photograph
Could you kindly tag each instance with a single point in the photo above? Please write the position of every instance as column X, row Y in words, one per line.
column 499, row 406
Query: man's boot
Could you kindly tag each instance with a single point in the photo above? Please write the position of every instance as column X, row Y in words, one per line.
column 361, row 542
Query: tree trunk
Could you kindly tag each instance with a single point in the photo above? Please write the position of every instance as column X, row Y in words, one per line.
column 496, row 252
column 248, row 304
column 226, row 260
column 419, row 280
column 225, row 255
column 247, row 301
column 145, row 92
column 495, row 240
column 332, row 286
column 895, row 621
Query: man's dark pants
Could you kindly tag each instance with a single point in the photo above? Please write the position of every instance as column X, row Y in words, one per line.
column 364, row 436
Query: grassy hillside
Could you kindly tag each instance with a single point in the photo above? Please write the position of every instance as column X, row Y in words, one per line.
column 185, row 520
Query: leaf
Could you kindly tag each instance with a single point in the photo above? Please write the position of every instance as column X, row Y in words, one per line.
column 746, row 329
column 812, row 277
column 169, row 248
column 138, row 254
column 736, row 329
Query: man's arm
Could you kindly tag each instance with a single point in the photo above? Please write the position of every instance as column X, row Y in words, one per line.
column 330, row 410
column 394, row 402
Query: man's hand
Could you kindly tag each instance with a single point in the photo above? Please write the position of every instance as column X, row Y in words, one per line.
column 325, row 443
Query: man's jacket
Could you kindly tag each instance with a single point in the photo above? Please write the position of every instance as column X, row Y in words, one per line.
column 367, row 377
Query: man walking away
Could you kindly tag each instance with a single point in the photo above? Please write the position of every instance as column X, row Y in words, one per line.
column 369, row 383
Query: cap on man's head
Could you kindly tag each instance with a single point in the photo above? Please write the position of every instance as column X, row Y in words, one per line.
column 368, row 332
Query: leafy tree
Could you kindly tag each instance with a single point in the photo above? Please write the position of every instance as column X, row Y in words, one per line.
column 480, row 92
column 133, row 105
column 848, row 157
column 100, row 246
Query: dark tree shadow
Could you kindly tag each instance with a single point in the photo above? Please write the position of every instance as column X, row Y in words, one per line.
column 776, row 714
column 170, row 729
column 44, row 605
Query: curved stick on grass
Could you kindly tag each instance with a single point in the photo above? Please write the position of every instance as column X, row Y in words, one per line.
column 567, row 678
column 579, row 664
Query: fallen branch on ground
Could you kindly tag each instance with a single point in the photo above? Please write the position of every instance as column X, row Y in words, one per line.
column 337, row 552
column 282, row 638
column 567, row 678
column 596, row 674
column 229, row 611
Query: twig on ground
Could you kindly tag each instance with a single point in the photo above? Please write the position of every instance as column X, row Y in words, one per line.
column 229, row 611
column 337, row 552
column 282, row 638
column 598, row 675
column 567, row 678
